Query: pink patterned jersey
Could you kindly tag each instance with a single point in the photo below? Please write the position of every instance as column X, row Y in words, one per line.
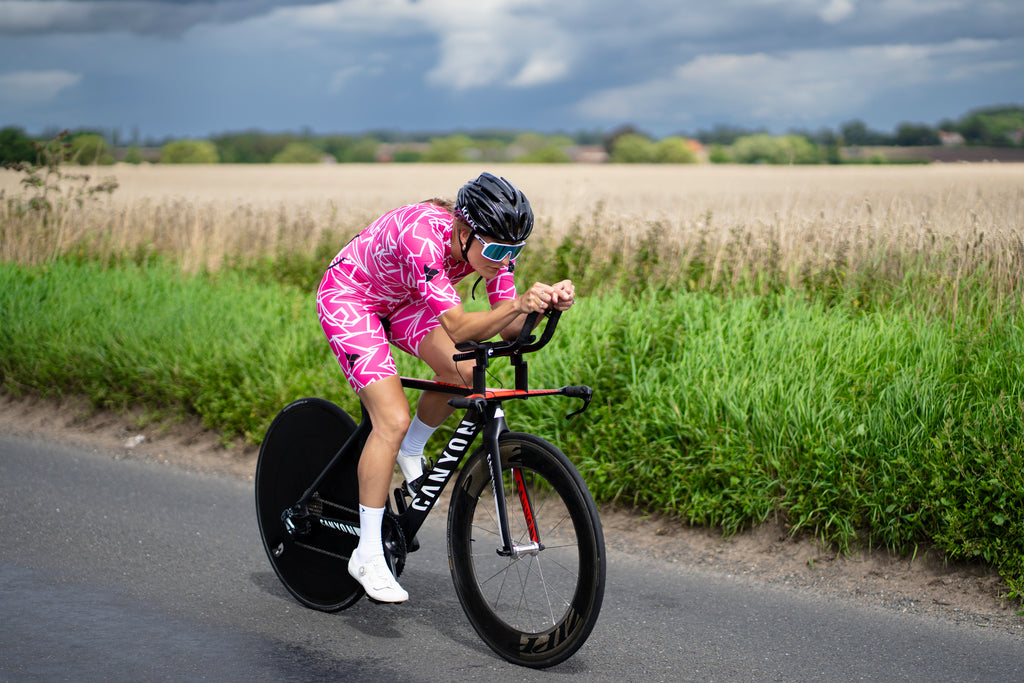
column 400, row 268
column 406, row 254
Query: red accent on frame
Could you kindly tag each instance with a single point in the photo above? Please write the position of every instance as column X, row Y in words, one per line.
column 524, row 500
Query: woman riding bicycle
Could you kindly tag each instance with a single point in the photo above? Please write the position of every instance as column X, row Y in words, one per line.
column 394, row 282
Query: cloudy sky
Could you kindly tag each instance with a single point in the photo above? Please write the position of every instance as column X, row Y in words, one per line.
column 200, row 67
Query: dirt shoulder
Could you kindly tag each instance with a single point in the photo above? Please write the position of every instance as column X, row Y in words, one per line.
column 962, row 593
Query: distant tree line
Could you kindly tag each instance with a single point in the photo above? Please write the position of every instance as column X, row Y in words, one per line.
column 988, row 127
column 83, row 147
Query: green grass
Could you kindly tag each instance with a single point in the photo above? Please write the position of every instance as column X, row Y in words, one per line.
column 893, row 427
column 219, row 347
column 890, row 429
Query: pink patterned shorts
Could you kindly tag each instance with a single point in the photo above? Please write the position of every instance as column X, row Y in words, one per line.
column 354, row 328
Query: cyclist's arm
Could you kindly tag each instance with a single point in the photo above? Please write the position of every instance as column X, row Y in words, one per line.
column 462, row 325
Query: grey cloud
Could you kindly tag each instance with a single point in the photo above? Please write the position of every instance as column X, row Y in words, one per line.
column 648, row 40
column 585, row 62
column 790, row 24
column 167, row 17
column 622, row 27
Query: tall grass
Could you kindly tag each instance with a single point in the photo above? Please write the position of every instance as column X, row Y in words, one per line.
column 728, row 411
column 892, row 428
column 221, row 348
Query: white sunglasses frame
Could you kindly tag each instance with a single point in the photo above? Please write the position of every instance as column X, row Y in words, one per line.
column 484, row 244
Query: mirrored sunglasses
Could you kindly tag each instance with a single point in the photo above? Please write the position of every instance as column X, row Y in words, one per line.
column 496, row 251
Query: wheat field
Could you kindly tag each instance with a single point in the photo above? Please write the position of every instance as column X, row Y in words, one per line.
column 962, row 213
column 560, row 192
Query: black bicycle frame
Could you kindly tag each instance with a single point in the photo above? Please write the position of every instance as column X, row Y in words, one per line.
column 483, row 413
column 485, row 416
column 490, row 419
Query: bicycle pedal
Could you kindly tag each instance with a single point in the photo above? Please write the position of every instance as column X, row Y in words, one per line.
column 412, row 488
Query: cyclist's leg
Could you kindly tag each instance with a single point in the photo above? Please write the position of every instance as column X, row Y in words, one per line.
column 437, row 349
column 389, row 412
column 357, row 338
column 415, row 330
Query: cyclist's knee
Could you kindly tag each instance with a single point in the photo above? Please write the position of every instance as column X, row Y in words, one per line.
column 392, row 424
column 460, row 374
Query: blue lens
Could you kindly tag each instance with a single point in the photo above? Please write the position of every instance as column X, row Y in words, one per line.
column 497, row 252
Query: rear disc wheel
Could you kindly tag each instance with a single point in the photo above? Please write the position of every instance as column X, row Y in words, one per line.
column 312, row 564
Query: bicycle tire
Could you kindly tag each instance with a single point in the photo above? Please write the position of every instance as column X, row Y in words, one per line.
column 536, row 610
column 300, row 442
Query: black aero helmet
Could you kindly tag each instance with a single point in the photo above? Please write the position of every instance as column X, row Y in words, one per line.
column 496, row 208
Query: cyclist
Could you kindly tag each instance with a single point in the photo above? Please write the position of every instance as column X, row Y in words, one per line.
column 394, row 283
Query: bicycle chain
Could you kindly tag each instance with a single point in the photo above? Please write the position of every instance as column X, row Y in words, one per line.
column 316, row 506
column 322, row 551
column 393, row 533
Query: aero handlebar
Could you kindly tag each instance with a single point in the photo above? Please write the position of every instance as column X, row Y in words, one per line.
column 482, row 352
column 526, row 342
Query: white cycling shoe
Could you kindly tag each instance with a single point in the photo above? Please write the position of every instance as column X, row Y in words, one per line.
column 376, row 579
column 412, row 468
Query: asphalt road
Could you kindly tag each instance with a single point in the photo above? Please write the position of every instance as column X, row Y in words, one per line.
column 125, row 570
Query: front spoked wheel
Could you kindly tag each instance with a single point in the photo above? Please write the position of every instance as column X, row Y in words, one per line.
column 537, row 606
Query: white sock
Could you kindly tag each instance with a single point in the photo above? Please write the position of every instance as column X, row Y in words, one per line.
column 410, row 454
column 370, row 543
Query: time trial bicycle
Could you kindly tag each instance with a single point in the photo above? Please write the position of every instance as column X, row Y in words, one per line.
column 525, row 544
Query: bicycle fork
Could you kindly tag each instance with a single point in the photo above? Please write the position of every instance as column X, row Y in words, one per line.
column 494, row 428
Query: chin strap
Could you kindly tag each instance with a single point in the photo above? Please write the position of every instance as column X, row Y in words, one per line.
column 459, row 216
column 472, row 292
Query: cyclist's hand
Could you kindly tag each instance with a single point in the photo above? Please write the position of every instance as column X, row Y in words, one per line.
column 563, row 295
column 536, row 298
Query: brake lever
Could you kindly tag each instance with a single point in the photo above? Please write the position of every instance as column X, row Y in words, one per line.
column 582, row 392
column 465, row 402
